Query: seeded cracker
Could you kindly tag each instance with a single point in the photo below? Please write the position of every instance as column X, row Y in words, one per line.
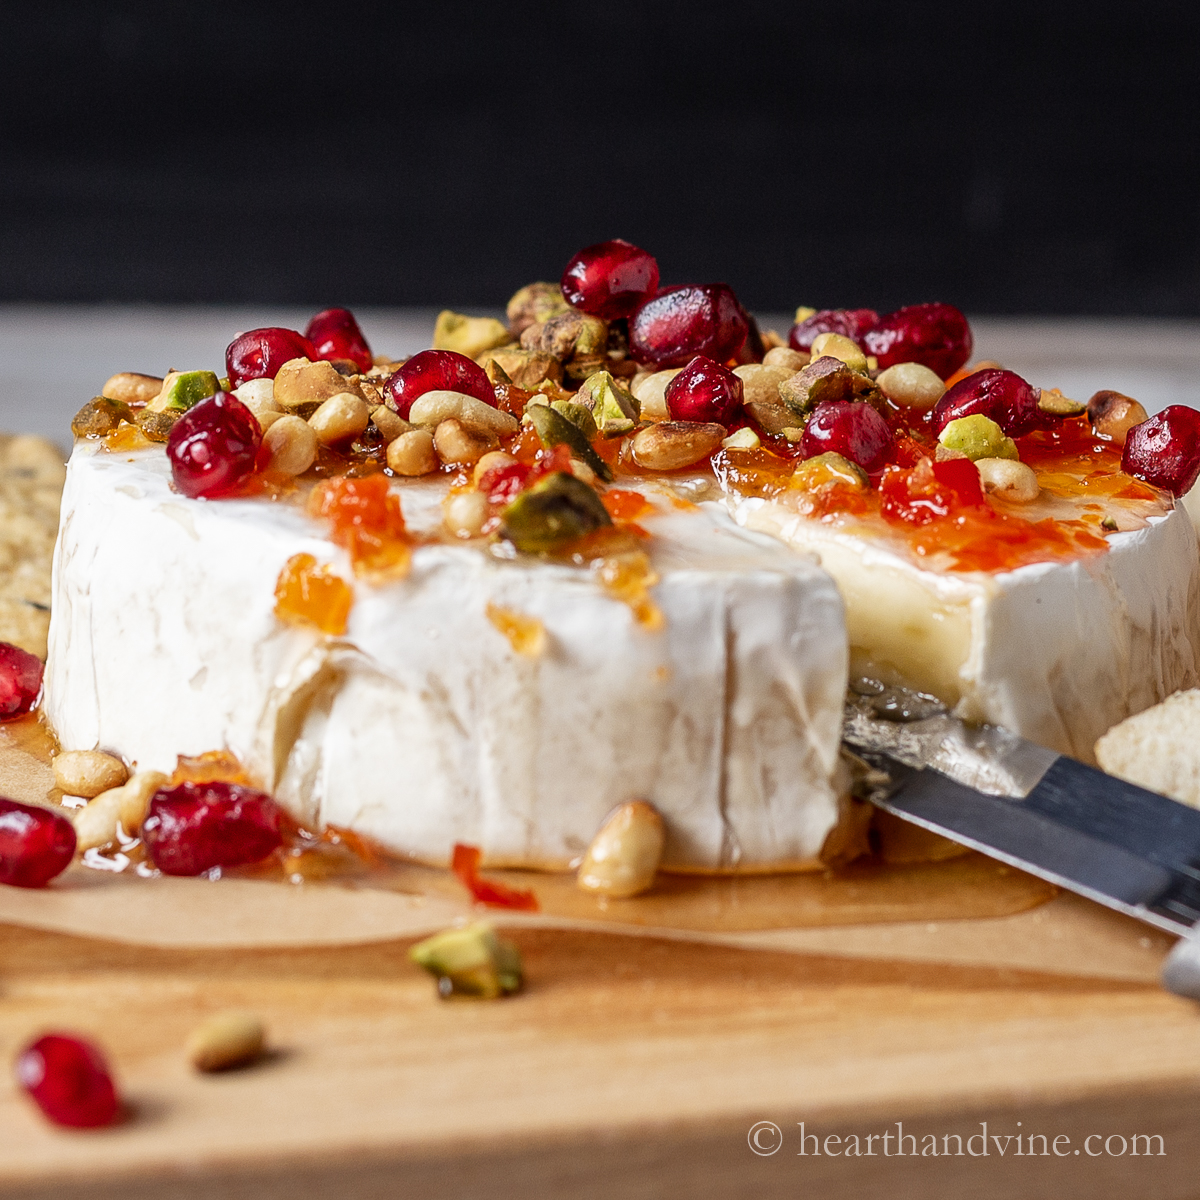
column 31, row 480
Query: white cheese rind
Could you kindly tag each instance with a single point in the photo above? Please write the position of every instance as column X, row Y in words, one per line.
column 1056, row 652
column 422, row 727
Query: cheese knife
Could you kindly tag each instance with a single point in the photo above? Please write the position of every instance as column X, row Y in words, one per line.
column 1052, row 816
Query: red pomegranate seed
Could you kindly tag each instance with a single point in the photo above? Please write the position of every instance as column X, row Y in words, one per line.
column 35, row 844
column 936, row 335
column 929, row 491
column 502, row 485
column 853, row 323
column 194, row 827
column 20, row 681
column 704, row 391
column 1001, row 395
column 260, row 353
column 334, row 333
column 213, row 446
column 671, row 328
column 69, row 1080
column 435, row 371
column 850, row 428
column 610, row 279
column 1165, row 450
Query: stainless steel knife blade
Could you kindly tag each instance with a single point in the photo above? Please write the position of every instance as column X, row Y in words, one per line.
column 1118, row 844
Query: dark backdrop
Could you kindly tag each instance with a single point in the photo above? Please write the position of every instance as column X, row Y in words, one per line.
column 1024, row 157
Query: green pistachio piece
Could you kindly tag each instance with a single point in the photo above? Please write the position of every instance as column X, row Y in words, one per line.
column 613, row 408
column 977, row 437
column 577, row 414
column 100, row 416
column 471, row 961
column 471, row 336
column 555, row 511
column 826, row 468
column 593, row 338
column 535, row 304
column 553, row 429
column 186, row 390
column 826, row 378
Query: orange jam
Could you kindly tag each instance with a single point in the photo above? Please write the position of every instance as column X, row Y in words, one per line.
column 306, row 594
column 624, row 505
column 366, row 519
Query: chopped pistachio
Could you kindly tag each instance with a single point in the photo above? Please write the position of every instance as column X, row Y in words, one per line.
column 578, row 414
column 744, row 439
column 526, row 368
column 471, row 961
column 1109, row 524
column 185, row 389
column 834, row 345
column 613, row 408
column 534, row 304
column 803, row 313
column 977, row 437
column 553, row 429
column 826, row 378
column 100, row 416
column 157, row 426
column 827, row 468
column 1052, row 401
column 556, row 510
column 571, row 334
column 496, row 373
column 471, row 336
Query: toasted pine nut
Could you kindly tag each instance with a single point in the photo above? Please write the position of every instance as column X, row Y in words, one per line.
column 88, row 772
column 134, row 802
column 340, row 419
column 760, row 382
column 390, row 425
column 1008, row 479
column 473, row 415
column 465, row 513
column 834, row 345
column 258, row 395
column 132, row 388
column 455, row 444
column 744, row 439
column 96, row 823
column 651, row 393
column 412, row 453
column 292, row 444
column 911, row 385
column 493, row 458
column 670, row 445
column 228, row 1039
column 785, row 356
column 624, row 855
column 1114, row 415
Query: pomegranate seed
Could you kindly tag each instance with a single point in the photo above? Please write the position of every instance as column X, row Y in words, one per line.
column 213, row 446
column 1001, row 395
column 850, row 428
column 671, row 328
column 334, row 333
column 69, row 1080
column 194, row 827
column 35, row 844
column 260, row 353
column 435, row 371
column 502, row 485
column 853, row 323
column 20, row 681
column 610, row 279
column 1165, row 450
column 935, row 335
column 704, row 391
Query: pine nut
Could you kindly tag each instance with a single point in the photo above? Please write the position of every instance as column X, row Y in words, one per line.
column 258, row 395
column 785, row 356
column 88, row 772
column 651, row 393
column 228, row 1039
column 412, row 453
column 1113, row 415
column 131, row 388
column 493, row 458
column 624, row 855
column 1008, row 479
column 455, row 444
column 760, row 382
column 473, row 415
column 390, row 425
column 670, row 445
column 292, row 444
column 96, row 825
column 341, row 418
column 134, row 801
column 911, row 385
column 464, row 513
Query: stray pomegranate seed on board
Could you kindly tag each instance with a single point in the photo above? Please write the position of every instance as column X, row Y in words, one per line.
column 213, row 447
column 671, row 328
column 35, row 844
column 260, row 353
column 609, row 280
column 1165, row 450
column 437, row 371
column 1001, row 395
column 704, row 391
column 334, row 333
column 465, row 864
column 69, row 1080
column 194, row 827
column 852, row 429
column 20, row 681
column 935, row 335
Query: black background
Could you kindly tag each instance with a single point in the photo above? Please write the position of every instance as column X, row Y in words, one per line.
column 1024, row 157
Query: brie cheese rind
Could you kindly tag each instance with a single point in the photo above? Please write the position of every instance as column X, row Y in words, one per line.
column 421, row 726
column 1057, row 652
